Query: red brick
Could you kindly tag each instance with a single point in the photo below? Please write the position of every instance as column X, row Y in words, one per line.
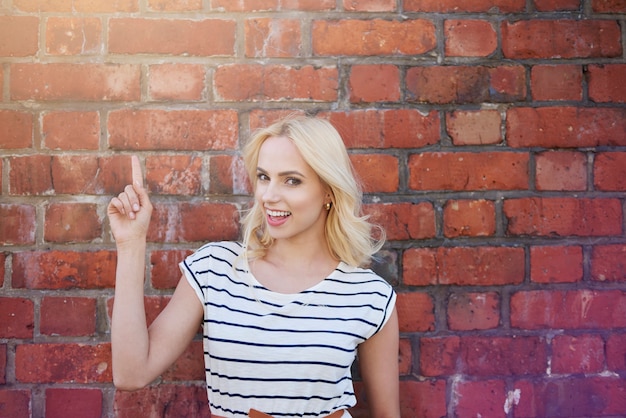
column 465, row 84
column 373, row 37
column 179, row 222
column 72, row 222
column 401, row 128
column 78, row 6
column 77, row 174
column 556, row 82
column 472, row 311
column 67, row 316
column 416, row 312
column 44, row 6
column 425, row 399
column 250, row 82
column 276, row 38
column 526, row 39
column 162, row 400
column 561, row 170
column 73, row 36
column 439, row 355
column 593, row 396
column 227, row 175
column 189, row 366
column 556, row 264
column 483, row 356
column 608, row 6
column 174, row 174
column 19, row 224
column 164, row 270
column 75, row 82
column 175, row 5
column 21, row 178
column 480, row 265
column 3, row 365
column 374, row 83
column 453, row 6
column 603, row 87
column 271, row 5
column 378, row 172
column 565, row 127
column 469, row 218
column 17, row 318
column 2, row 267
column 577, row 354
column 369, row 5
column 20, row 36
column 403, row 221
column 474, row 127
column 61, row 403
column 586, row 309
column 71, row 130
column 105, row 6
column 469, row 38
column 616, row 353
column 609, row 171
column 504, row 356
column 608, row 263
column 481, row 398
column 468, row 171
column 405, row 357
column 420, row 267
column 17, row 129
column 209, row 37
column 84, row 174
column 15, row 403
column 556, row 5
column 64, row 270
column 190, row 130
column 563, row 216
column 176, row 82
column 63, row 363
column 463, row 266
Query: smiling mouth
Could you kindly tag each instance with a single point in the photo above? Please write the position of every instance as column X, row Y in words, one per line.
column 278, row 213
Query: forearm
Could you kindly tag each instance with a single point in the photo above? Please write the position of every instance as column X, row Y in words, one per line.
column 129, row 333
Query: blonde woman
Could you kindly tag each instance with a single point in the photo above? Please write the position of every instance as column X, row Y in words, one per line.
column 286, row 310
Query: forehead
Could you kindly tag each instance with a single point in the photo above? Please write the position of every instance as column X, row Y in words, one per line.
column 278, row 153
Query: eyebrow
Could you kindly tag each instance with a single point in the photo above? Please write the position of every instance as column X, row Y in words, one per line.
column 283, row 173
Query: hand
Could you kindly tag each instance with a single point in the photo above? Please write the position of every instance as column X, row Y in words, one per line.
column 129, row 213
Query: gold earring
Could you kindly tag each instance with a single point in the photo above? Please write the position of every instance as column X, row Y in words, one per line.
column 327, row 206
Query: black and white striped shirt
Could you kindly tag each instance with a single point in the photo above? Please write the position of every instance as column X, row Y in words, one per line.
column 284, row 354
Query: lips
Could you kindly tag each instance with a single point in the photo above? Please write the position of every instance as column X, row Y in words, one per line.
column 277, row 217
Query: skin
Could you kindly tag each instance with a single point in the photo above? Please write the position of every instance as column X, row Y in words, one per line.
column 284, row 183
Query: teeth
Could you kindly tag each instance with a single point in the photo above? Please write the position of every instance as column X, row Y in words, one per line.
column 277, row 213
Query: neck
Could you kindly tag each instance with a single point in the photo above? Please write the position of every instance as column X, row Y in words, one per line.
column 286, row 253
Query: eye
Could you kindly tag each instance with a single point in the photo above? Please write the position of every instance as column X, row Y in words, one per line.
column 262, row 177
column 293, row 181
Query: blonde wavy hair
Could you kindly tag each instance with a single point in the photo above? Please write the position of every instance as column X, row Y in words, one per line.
column 349, row 235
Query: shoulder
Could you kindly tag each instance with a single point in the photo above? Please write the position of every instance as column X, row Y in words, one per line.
column 361, row 281
column 222, row 249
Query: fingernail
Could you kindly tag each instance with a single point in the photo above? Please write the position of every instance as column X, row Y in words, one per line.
column 135, row 207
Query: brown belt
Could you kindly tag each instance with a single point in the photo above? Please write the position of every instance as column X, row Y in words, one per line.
column 253, row 413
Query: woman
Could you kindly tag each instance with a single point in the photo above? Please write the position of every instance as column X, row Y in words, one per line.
column 285, row 311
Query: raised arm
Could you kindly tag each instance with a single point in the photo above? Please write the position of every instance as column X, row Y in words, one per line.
column 378, row 360
column 141, row 354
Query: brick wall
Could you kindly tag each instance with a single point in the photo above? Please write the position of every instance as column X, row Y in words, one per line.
column 490, row 136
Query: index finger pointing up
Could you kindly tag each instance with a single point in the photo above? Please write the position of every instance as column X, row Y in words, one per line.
column 136, row 170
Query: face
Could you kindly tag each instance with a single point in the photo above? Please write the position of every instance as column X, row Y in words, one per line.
column 290, row 192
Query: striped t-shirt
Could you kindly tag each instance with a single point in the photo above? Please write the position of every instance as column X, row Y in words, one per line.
column 284, row 354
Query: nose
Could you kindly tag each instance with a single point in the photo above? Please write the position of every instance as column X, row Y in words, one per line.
column 269, row 193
